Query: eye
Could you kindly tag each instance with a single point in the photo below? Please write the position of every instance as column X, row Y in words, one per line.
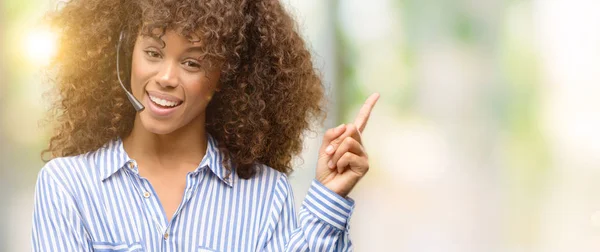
column 192, row 64
column 152, row 54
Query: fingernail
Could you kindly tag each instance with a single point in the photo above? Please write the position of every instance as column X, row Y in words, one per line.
column 329, row 149
column 330, row 164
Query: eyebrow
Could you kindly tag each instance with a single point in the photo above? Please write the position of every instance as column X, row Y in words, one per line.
column 194, row 49
column 157, row 40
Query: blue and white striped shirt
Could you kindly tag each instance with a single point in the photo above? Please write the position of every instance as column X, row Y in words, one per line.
column 98, row 202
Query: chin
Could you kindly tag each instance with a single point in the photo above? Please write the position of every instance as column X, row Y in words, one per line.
column 158, row 127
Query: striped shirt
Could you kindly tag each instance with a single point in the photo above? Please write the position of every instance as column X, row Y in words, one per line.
column 98, row 202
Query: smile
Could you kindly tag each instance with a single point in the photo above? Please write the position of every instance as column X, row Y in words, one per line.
column 163, row 100
column 162, row 105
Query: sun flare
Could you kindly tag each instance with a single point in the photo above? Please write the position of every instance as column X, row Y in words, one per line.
column 40, row 46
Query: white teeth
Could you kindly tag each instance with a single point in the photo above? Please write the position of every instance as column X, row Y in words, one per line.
column 162, row 102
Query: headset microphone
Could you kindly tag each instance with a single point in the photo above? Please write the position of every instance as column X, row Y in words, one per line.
column 136, row 104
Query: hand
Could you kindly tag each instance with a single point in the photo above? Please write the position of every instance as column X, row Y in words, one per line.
column 343, row 160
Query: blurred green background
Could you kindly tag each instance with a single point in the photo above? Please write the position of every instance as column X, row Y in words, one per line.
column 485, row 137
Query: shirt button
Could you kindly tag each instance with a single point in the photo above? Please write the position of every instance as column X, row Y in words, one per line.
column 131, row 165
column 146, row 194
column 166, row 236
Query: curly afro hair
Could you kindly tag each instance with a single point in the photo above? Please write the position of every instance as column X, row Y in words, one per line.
column 270, row 92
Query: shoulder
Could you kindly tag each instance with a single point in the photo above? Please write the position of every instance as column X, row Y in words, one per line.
column 63, row 167
column 270, row 179
column 70, row 173
column 265, row 172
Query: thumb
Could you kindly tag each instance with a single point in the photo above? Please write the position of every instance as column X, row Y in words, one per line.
column 330, row 135
column 323, row 172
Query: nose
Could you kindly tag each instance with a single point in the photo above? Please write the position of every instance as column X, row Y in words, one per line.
column 167, row 76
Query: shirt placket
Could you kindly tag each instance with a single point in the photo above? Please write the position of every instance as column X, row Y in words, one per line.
column 192, row 181
column 149, row 199
column 155, row 209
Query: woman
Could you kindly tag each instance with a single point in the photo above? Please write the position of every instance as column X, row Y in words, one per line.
column 223, row 92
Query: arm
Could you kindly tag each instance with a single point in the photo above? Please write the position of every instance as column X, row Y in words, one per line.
column 57, row 225
column 323, row 220
column 325, row 211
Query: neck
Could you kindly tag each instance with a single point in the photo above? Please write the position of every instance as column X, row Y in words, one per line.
column 184, row 147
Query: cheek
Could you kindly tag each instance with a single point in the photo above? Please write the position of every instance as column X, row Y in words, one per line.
column 140, row 69
column 200, row 94
column 135, row 70
column 203, row 88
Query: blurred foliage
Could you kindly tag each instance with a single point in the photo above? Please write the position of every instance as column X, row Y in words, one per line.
column 506, row 103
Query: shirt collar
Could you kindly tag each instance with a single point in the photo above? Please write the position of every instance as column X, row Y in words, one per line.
column 112, row 157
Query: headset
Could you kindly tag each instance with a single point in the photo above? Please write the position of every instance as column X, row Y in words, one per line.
column 136, row 104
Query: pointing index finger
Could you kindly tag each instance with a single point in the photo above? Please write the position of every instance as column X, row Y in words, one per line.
column 365, row 112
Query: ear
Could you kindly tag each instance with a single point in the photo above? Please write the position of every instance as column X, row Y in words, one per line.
column 219, row 73
column 219, row 83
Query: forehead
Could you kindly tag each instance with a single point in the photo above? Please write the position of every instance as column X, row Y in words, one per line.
column 169, row 37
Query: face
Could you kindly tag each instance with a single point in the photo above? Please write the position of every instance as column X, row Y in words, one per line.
column 170, row 83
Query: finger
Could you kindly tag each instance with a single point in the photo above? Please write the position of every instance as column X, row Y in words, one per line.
column 348, row 145
column 351, row 131
column 365, row 112
column 359, row 164
column 329, row 136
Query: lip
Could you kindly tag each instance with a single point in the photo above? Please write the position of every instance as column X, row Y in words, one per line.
column 164, row 96
column 160, row 111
